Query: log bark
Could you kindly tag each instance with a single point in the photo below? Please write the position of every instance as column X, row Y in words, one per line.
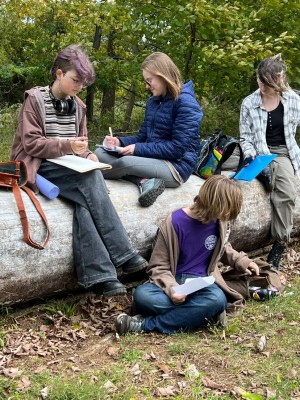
column 27, row 273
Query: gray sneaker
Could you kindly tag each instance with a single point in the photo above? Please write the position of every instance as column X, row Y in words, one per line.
column 124, row 323
column 150, row 190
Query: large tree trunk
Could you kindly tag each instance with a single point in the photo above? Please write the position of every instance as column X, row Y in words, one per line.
column 109, row 94
column 91, row 89
column 189, row 53
column 27, row 273
column 130, row 105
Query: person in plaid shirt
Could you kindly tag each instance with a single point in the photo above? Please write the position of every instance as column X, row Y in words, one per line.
column 268, row 122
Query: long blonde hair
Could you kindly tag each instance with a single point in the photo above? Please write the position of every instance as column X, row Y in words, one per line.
column 219, row 198
column 272, row 72
column 161, row 65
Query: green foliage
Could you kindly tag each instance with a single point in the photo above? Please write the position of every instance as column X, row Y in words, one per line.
column 216, row 44
column 66, row 308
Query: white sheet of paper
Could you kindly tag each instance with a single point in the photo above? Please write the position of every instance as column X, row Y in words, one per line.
column 114, row 148
column 194, row 284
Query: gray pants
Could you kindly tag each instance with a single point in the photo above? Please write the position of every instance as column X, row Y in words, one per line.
column 100, row 242
column 135, row 166
column 283, row 196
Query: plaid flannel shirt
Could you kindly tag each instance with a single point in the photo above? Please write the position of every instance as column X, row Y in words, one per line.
column 253, row 126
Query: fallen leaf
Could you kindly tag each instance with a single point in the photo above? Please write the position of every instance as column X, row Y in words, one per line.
column 11, row 372
column 261, row 343
column 45, row 393
column 75, row 369
column 166, row 392
column 164, row 368
column 211, row 384
column 24, row 383
column 112, row 351
column 270, row 393
column 136, row 369
column 94, row 379
column 110, row 387
column 292, row 373
column 191, row 371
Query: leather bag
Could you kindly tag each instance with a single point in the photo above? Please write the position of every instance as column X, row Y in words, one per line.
column 268, row 277
column 13, row 174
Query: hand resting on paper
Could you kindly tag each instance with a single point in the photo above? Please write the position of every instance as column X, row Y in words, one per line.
column 92, row 157
column 128, row 150
column 178, row 298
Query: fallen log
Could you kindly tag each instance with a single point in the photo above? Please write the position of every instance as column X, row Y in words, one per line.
column 27, row 273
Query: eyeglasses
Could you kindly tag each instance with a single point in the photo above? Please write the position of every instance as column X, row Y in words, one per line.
column 148, row 82
column 76, row 82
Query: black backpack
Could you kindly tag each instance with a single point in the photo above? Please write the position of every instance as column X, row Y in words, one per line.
column 215, row 149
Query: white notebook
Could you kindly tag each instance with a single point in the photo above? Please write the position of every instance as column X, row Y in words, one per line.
column 78, row 164
column 193, row 284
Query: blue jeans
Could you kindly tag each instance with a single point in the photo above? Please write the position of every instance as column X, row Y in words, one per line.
column 163, row 315
column 100, row 242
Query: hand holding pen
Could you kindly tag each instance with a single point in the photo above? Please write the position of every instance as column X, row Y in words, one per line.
column 110, row 140
column 79, row 144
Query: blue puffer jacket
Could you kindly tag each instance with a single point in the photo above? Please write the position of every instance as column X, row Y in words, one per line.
column 170, row 131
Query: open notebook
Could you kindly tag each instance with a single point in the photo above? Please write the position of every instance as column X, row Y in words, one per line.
column 255, row 167
column 78, row 164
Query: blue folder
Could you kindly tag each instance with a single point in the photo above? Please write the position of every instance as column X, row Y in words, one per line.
column 255, row 167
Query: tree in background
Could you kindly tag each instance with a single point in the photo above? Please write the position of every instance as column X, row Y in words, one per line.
column 216, row 44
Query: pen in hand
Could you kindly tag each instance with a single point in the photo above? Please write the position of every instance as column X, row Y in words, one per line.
column 110, row 131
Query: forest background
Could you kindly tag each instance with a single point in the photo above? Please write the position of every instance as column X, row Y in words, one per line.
column 217, row 44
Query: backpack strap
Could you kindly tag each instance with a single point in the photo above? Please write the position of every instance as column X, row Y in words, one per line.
column 227, row 152
column 23, row 215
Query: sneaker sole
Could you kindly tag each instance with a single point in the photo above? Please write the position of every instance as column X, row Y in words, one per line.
column 115, row 292
column 149, row 198
column 121, row 327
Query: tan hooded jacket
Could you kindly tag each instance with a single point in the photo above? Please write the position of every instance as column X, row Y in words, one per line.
column 30, row 143
column 163, row 262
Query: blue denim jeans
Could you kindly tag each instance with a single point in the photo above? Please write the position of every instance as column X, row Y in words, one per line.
column 100, row 242
column 163, row 315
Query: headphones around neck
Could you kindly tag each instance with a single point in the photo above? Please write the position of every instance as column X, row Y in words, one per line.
column 63, row 106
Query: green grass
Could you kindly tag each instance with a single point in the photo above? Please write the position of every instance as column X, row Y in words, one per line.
column 143, row 365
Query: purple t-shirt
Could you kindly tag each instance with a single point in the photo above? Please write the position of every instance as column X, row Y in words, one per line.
column 197, row 242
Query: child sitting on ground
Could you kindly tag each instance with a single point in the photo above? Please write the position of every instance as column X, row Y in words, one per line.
column 190, row 243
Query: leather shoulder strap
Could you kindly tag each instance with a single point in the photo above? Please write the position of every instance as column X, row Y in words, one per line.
column 24, row 219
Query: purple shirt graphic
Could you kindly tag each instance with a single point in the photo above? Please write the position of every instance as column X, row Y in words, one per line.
column 197, row 242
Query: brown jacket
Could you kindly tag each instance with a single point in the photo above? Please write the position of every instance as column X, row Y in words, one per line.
column 163, row 262
column 30, row 143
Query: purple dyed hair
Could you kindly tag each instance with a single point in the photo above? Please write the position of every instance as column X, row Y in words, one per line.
column 74, row 57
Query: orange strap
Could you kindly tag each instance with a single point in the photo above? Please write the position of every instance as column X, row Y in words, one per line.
column 23, row 215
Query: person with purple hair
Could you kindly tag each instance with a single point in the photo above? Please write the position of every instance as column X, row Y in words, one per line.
column 52, row 123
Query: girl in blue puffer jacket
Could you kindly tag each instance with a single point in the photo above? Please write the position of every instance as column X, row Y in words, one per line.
column 164, row 152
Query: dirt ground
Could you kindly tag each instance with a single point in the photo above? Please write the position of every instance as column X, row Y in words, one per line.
column 76, row 333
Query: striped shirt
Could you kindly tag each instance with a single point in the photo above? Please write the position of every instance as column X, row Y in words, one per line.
column 253, row 126
column 58, row 126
